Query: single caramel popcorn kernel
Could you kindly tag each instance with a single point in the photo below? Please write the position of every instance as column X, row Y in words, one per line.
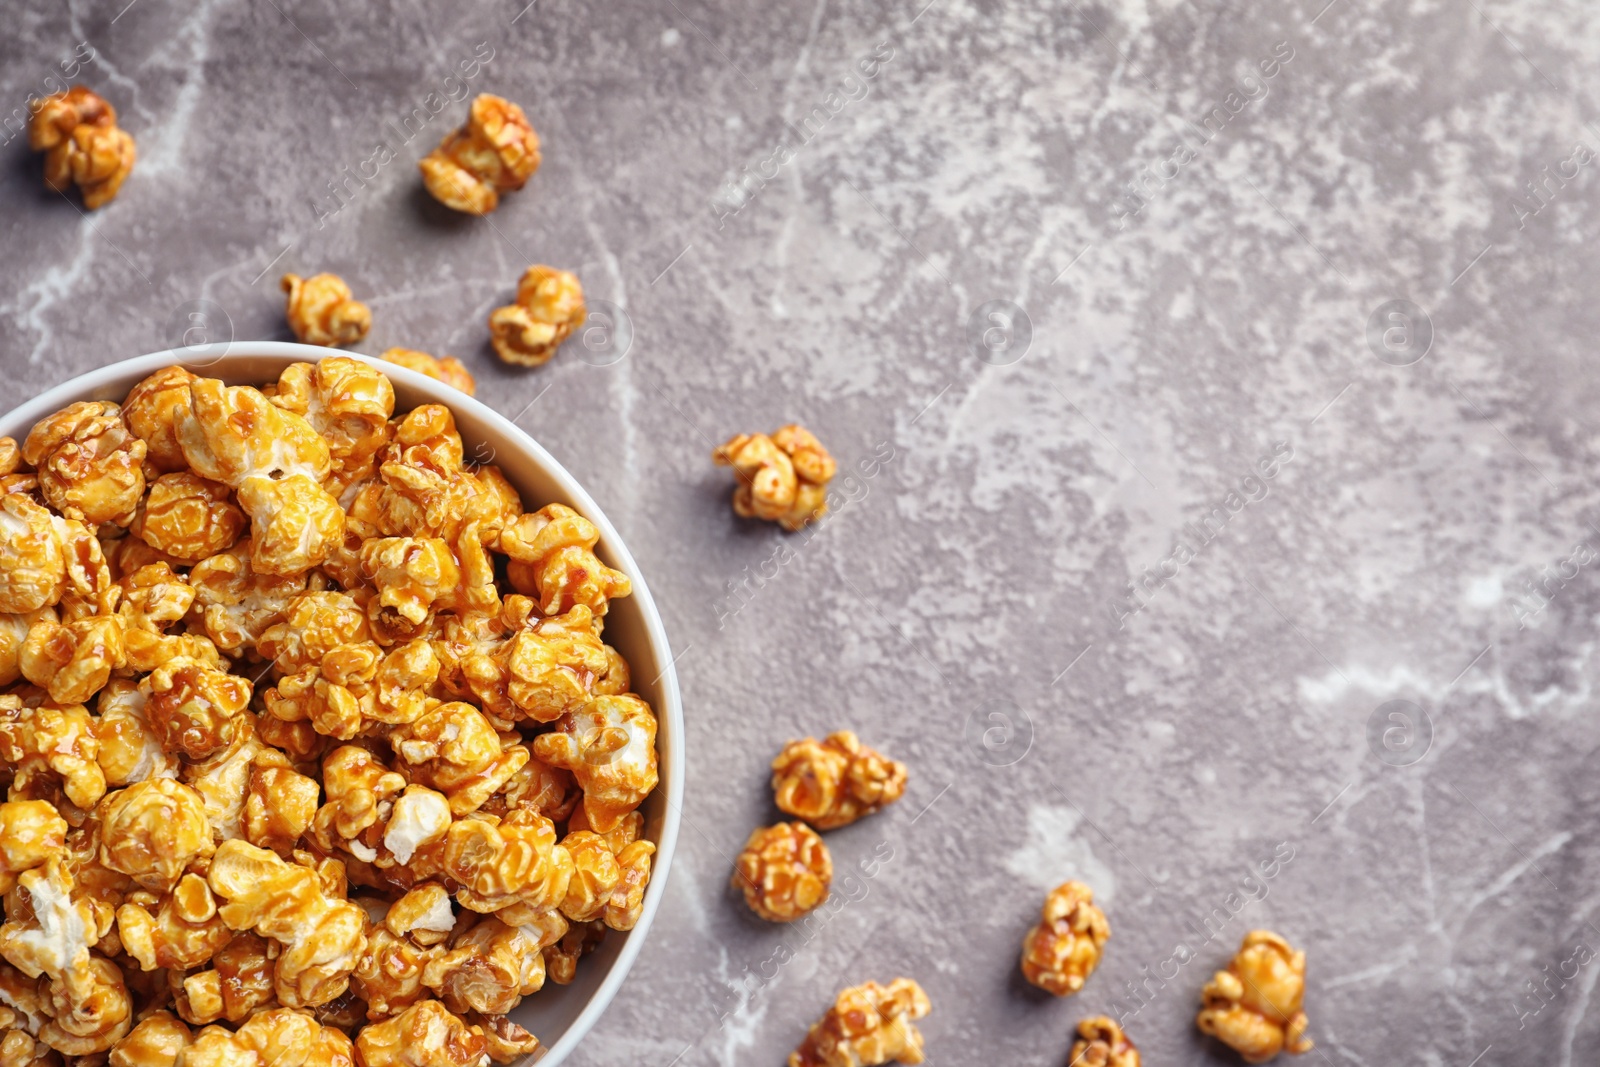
column 90, row 465
column 784, row 871
column 446, row 369
column 149, row 412
column 495, row 152
column 72, row 662
column 1063, row 949
column 51, row 749
column 186, row 931
column 31, row 831
column 507, row 1041
column 33, row 566
column 552, row 665
column 51, row 927
column 275, row 1038
column 323, row 937
column 188, row 518
column 555, row 545
column 867, row 1025
column 1254, row 1005
column 609, row 745
column 348, row 402
column 548, row 307
column 323, row 311
column 488, row 968
column 194, row 708
column 280, row 803
column 90, row 1010
column 1101, row 1043
column 501, row 862
column 155, row 1042
column 152, row 830
column 427, row 1034
column 83, row 146
column 782, row 478
column 833, row 782
column 452, row 748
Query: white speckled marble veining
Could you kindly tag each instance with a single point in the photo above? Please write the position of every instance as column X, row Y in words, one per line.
column 1061, row 584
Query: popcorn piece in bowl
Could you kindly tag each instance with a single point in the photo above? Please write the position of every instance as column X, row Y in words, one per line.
column 323, row 311
column 90, row 465
column 609, row 745
column 833, row 782
column 488, row 968
column 274, row 1038
column 427, row 1034
column 548, row 307
column 867, row 1025
column 83, row 145
column 31, row 831
column 184, row 932
column 152, row 830
column 188, row 518
column 347, row 402
column 552, row 558
column 72, row 661
column 155, row 1042
column 784, row 871
column 503, row 862
column 1254, row 1005
column 150, row 410
column 495, row 152
column 1063, row 948
column 447, row 369
column 1101, row 1043
column 782, row 478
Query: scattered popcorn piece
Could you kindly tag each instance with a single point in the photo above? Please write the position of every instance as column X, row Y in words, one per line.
column 783, row 478
column 548, row 307
column 1063, row 948
column 279, row 804
column 495, row 152
column 90, row 465
column 83, row 145
column 609, row 745
column 867, row 1025
column 447, row 369
column 421, row 817
column 323, row 311
column 833, row 782
column 53, row 934
column 1101, row 1043
column 323, row 937
column 1254, row 1005
column 784, row 871
column 427, row 1034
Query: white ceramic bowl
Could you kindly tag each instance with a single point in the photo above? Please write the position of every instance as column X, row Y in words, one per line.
column 559, row 1015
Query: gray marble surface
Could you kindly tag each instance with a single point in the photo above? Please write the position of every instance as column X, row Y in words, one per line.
column 1204, row 212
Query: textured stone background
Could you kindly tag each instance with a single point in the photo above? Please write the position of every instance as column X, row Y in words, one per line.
column 1430, row 539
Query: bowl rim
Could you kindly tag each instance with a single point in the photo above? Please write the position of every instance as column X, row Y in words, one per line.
column 669, row 713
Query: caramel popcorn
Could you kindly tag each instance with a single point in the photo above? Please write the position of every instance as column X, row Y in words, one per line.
column 784, row 871
column 31, row 831
column 495, row 152
column 152, row 830
column 783, row 478
column 833, row 782
column 188, row 518
column 448, row 369
column 323, row 938
column 1254, row 1005
column 275, row 1038
column 1063, row 949
column 427, row 1034
column 867, row 1025
column 155, row 1042
column 406, row 633
column 185, row 932
column 90, row 465
column 72, row 661
column 554, row 547
column 501, row 862
column 488, row 968
column 1101, row 1043
column 83, row 145
column 323, row 311
column 548, row 307
column 150, row 410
